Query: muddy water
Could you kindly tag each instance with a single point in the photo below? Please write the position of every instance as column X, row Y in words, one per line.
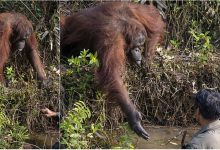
column 165, row 137
column 160, row 138
column 41, row 140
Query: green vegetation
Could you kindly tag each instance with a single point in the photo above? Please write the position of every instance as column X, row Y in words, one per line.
column 84, row 125
column 189, row 63
column 164, row 92
column 22, row 98
column 12, row 134
column 76, row 133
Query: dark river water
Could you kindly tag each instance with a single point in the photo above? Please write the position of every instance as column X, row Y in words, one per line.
column 160, row 138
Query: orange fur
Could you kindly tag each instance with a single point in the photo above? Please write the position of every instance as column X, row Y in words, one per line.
column 15, row 27
column 110, row 29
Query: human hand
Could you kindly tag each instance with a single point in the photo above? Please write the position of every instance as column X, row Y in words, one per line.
column 49, row 113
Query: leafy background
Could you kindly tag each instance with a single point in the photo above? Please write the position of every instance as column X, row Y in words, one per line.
column 186, row 62
column 22, row 99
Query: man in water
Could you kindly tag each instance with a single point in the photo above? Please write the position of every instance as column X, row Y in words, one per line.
column 207, row 115
column 56, row 115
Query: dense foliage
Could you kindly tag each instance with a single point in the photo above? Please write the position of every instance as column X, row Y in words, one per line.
column 187, row 62
column 22, row 99
column 84, row 125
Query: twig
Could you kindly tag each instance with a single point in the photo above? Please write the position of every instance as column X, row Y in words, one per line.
column 183, row 138
column 32, row 145
column 182, row 131
column 29, row 10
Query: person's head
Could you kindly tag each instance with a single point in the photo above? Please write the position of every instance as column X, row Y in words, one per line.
column 208, row 105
